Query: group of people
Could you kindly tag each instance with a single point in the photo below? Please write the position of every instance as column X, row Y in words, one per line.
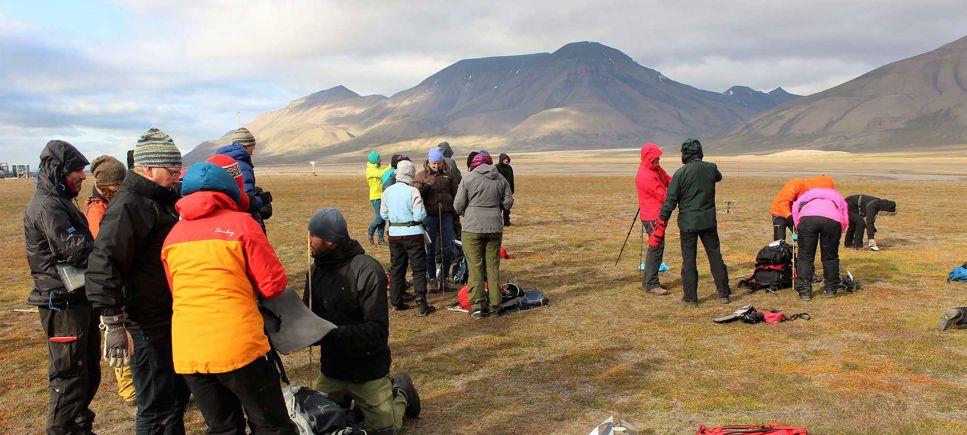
column 424, row 210
column 175, row 263
column 812, row 209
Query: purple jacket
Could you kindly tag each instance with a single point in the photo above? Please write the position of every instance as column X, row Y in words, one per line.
column 827, row 203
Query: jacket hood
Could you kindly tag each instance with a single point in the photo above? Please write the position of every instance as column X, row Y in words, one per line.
column 206, row 176
column 649, row 152
column 237, row 152
column 373, row 157
column 58, row 159
column 341, row 254
column 691, row 150
column 203, row 203
column 447, row 151
column 886, row 205
column 503, row 156
column 405, row 171
column 486, row 170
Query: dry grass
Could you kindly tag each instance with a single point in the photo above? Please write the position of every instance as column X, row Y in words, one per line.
column 870, row 362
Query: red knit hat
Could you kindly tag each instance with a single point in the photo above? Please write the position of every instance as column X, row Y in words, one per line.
column 229, row 164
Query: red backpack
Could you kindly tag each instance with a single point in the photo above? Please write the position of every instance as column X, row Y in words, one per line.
column 752, row 429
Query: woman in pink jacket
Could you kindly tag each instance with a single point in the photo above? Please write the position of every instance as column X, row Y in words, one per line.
column 821, row 217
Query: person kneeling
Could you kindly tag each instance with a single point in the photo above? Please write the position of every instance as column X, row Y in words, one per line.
column 348, row 288
column 218, row 263
column 820, row 216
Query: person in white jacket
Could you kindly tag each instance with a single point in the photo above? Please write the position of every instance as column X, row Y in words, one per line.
column 402, row 206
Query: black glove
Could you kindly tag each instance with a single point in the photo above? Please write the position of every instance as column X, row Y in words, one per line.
column 266, row 196
column 266, row 211
column 252, row 206
column 425, row 190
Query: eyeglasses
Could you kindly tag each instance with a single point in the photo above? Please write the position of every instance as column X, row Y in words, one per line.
column 172, row 172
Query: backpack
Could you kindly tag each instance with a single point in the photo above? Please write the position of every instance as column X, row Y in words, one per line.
column 773, row 268
column 752, row 429
column 958, row 274
column 314, row 413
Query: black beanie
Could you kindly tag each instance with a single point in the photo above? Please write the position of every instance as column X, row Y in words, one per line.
column 329, row 224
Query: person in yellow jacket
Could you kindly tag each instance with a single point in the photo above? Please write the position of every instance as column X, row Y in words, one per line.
column 374, row 177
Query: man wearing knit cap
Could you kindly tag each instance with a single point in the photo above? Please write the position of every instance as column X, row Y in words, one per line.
column 126, row 283
column 348, row 288
column 56, row 236
column 241, row 149
column 402, row 207
column 438, row 188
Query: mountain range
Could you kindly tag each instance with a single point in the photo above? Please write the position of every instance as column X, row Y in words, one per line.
column 584, row 95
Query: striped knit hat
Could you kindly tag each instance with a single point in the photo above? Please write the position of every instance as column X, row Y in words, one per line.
column 243, row 137
column 156, row 149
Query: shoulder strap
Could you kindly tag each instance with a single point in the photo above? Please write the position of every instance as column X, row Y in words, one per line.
column 274, row 356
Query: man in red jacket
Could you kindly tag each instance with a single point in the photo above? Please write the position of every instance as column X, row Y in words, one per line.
column 652, row 184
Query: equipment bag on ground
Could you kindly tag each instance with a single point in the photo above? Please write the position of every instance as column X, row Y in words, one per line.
column 958, row 274
column 752, row 429
column 773, row 268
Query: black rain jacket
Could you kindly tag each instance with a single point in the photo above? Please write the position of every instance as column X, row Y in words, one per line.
column 867, row 207
column 55, row 231
column 692, row 190
column 125, row 272
column 349, row 290
column 506, row 170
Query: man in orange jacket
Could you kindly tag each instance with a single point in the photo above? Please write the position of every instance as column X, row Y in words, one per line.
column 782, row 204
column 219, row 262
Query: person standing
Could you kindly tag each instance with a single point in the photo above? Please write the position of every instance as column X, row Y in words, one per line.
column 348, row 288
column 219, row 264
column 692, row 191
column 127, row 285
column 108, row 174
column 374, row 177
column 781, row 208
column 448, row 158
column 862, row 216
column 438, row 187
column 402, row 206
column 242, row 149
column 56, row 236
column 651, row 182
column 481, row 196
column 820, row 216
column 507, row 171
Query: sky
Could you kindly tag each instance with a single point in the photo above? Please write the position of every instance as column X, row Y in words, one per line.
column 98, row 73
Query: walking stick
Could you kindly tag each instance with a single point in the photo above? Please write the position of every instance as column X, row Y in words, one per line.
column 441, row 281
column 627, row 236
column 795, row 254
column 641, row 250
column 309, row 286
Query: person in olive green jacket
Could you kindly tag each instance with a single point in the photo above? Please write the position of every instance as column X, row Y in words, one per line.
column 692, row 190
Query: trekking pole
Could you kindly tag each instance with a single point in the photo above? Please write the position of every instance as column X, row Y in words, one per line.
column 795, row 254
column 309, row 286
column 641, row 250
column 627, row 236
column 441, row 281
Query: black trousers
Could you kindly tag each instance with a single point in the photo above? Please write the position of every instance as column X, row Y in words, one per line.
column 404, row 252
column 825, row 232
column 73, row 367
column 253, row 389
column 652, row 259
column 710, row 239
column 161, row 393
column 854, row 231
column 779, row 225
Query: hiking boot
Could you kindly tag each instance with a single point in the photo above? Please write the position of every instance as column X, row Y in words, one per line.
column 953, row 318
column 873, row 246
column 659, row 290
column 478, row 315
column 402, row 383
column 402, row 306
column 424, row 309
column 829, row 293
column 494, row 312
column 381, row 242
column 689, row 303
column 725, row 300
column 371, row 242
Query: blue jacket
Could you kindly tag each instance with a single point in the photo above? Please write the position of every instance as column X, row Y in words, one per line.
column 402, row 203
column 237, row 152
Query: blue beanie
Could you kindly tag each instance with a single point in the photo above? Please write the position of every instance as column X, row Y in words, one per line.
column 484, row 152
column 435, row 155
column 329, row 224
column 211, row 177
column 373, row 157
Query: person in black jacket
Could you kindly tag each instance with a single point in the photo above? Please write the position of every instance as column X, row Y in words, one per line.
column 692, row 190
column 504, row 168
column 348, row 288
column 126, row 283
column 56, row 234
column 862, row 215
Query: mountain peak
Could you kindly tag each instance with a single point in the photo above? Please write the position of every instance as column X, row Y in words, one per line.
column 589, row 50
column 780, row 92
column 331, row 95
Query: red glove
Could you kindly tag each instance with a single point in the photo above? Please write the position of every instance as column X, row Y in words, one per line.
column 658, row 234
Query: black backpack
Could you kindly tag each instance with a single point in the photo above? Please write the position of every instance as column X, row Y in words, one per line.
column 773, row 268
